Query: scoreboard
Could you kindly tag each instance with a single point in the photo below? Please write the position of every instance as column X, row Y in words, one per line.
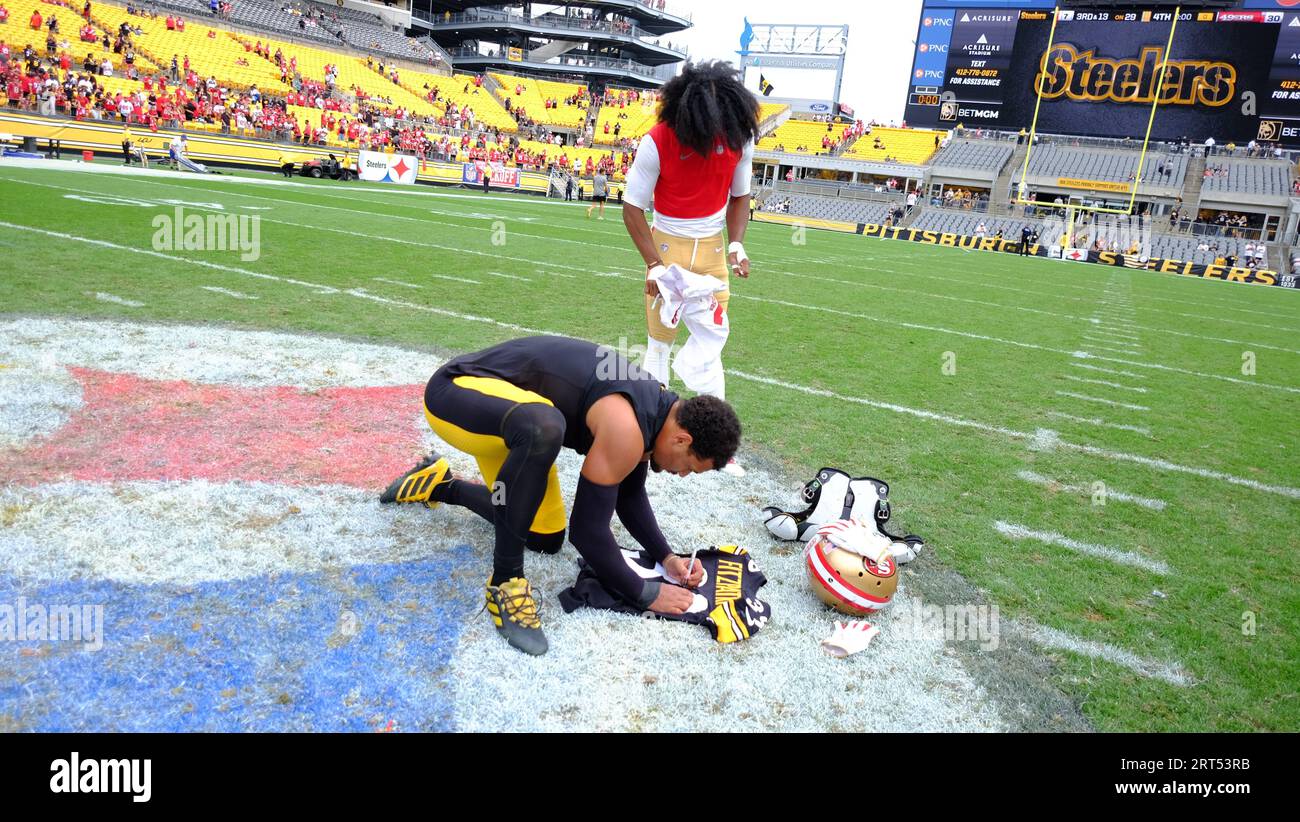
column 1231, row 74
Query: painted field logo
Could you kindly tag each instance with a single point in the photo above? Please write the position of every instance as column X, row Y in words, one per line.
column 182, row 231
column 76, row 775
column 23, row 622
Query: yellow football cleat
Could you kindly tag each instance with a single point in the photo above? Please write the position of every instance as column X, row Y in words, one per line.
column 514, row 612
column 418, row 484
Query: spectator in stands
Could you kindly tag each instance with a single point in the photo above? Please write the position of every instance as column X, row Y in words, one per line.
column 4, row 14
column 37, row 21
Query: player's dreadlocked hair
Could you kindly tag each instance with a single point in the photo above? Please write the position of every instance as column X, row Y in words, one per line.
column 706, row 102
column 713, row 426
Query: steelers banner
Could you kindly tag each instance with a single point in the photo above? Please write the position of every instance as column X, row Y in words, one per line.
column 1012, row 246
column 379, row 167
column 1235, row 274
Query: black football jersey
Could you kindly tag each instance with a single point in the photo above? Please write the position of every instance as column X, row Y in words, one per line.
column 726, row 601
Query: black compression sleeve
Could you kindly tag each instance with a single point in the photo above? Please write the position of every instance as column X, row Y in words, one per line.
column 593, row 507
column 637, row 517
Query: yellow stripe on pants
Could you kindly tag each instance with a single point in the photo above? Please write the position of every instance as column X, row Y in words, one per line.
column 490, row 451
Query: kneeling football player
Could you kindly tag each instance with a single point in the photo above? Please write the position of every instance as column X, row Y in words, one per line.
column 512, row 407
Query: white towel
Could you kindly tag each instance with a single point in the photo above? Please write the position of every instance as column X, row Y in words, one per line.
column 687, row 297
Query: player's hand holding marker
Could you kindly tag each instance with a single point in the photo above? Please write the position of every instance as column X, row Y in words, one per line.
column 738, row 260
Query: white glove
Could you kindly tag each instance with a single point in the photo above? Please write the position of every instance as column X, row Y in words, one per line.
column 849, row 638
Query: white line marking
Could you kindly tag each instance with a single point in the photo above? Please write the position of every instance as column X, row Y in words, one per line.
column 602, row 245
column 1130, row 406
column 366, row 295
column 456, row 279
column 1118, row 456
column 1159, row 464
column 116, row 300
column 1039, row 479
column 606, row 274
column 1020, row 532
column 556, row 274
column 1097, row 421
column 1133, row 348
column 395, row 282
column 1116, row 371
column 238, row 295
column 1106, row 333
column 196, row 184
column 1034, row 346
column 1128, row 351
column 1052, row 638
column 509, row 276
column 1106, row 383
column 323, row 289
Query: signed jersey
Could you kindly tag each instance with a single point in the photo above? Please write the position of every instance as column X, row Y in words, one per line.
column 726, row 601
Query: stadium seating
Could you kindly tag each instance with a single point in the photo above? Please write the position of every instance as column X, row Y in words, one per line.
column 794, row 134
column 461, row 90
column 911, row 146
column 1266, row 178
column 830, row 208
column 1056, row 161
column 976, row 155
column 213, row 52
column 1165, row 246
column 634, row 119
column 535, row 93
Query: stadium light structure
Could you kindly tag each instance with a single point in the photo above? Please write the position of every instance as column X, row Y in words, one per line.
column 799, row 46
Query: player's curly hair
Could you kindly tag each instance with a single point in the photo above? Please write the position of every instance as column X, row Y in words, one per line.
column 713, row 426
column 707, row 101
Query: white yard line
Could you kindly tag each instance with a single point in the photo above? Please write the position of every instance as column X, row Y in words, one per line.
column 238, row 295
column 1116, row 555
column 1106, row 383
column 1138, row 459
column 1130, row 406
column 605, row 245
column 1130, row 352
column 116, row 300
column 1060, row 640
column 1117, row 372
column 155, row 177
column 1100, row 423
column 396, row 282
column 1087, row 490
column 508, row 276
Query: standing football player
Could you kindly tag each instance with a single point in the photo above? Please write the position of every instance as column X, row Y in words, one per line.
column 695, row 166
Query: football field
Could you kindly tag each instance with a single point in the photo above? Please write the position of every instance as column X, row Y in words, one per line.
column 1109, row 456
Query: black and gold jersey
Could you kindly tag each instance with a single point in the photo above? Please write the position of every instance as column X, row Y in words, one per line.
column 726, row 601
column 573, row 374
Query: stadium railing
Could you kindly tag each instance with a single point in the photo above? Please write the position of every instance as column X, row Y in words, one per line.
column 549, row 20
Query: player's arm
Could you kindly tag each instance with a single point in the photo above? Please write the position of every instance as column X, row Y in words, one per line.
column 615, row 452
column 638, row 518
column 738, row 212
column 638, row 193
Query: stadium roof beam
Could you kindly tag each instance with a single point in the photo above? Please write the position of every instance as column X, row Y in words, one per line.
column 654, row 21
column 620, row 72
column 505, row 29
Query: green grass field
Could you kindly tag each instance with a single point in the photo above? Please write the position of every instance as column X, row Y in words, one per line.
column 955, row 376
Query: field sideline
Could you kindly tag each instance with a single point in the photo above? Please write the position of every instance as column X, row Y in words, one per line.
column 991, row 391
